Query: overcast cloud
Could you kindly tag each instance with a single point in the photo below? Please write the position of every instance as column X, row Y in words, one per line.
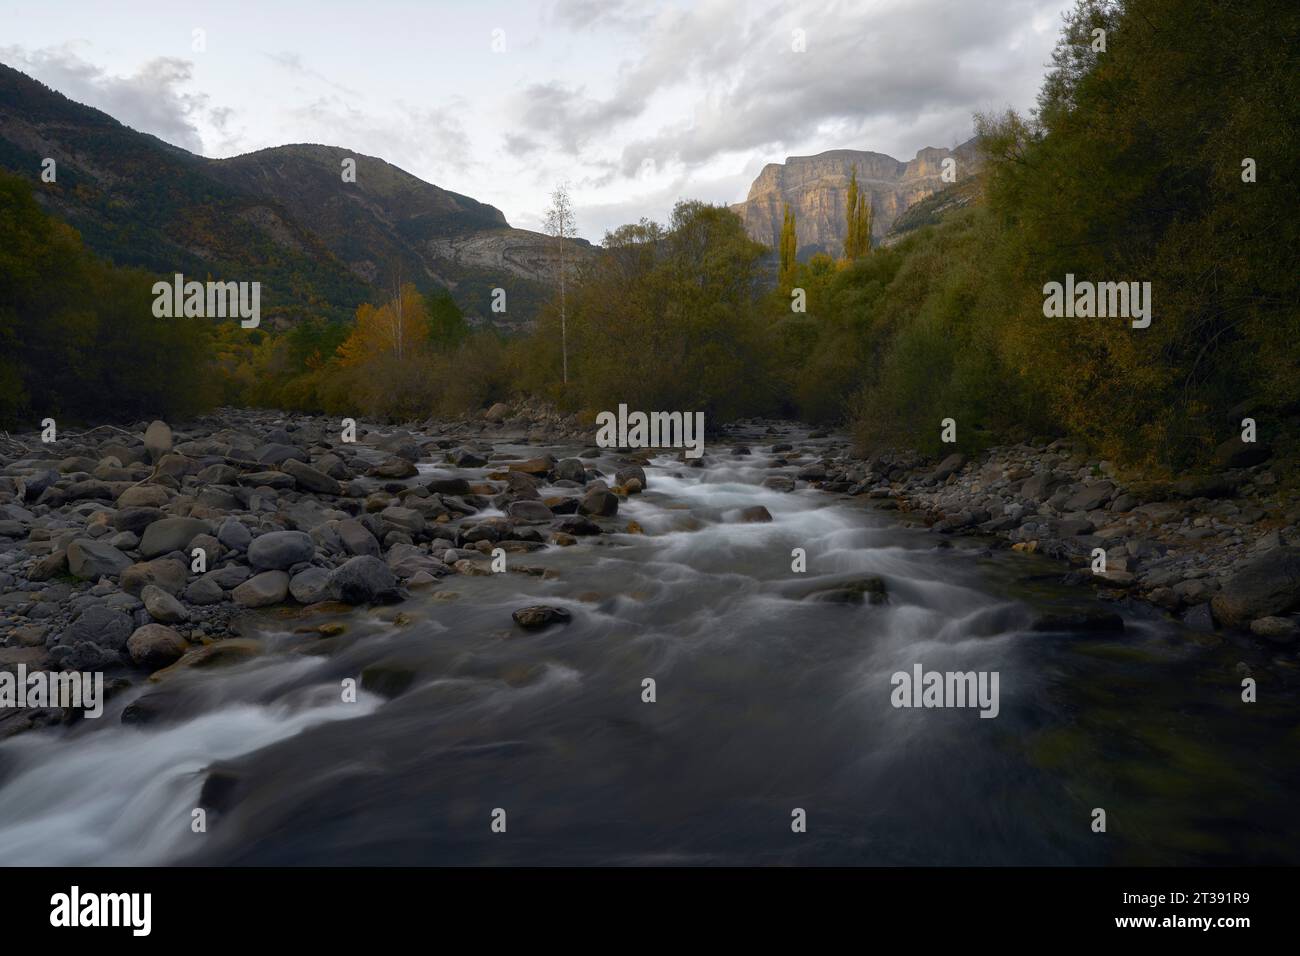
column 635, row 104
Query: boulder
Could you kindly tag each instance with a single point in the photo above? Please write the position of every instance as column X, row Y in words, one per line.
column 448, row 486
column 949, row 466
column 234, row 534
column 205, row 591
column 167, row 573
column 136, row 519
column 571, row 469
column 1090, row 497
column 101, row 624
column 1280, row 630
column 156, row 645
column 280, row 550
column 262, row 590
column 406, row 561
column 175, row 466
column 310, row 585
column 220, row 654
column 628, row 472
column 395, row 468
column 538, row 616
column 404, row 519
column 218, row 475
column 363, row 580
column 276, row 453
column 529, row 511
column 311, row 480
column 171, row 534
column 92, row 560
column 539, row 467
column 1039, row 487
column 357, row 538
column 162, row 606
column 600, row 503
column 576, row 525
column 1266, row 585
column 144, row 496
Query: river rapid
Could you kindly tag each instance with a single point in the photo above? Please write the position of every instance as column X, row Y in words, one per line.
column 769, row 700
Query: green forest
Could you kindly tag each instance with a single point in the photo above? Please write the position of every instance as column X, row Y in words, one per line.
column 1165, row 156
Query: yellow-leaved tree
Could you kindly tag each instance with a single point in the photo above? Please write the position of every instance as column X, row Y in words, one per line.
column 399, row 328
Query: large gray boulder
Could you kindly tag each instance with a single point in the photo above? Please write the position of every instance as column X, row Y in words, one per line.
column 363, row 580
column 1090, row 497
column 162, row 606
column 1265, row 586
column 234, row 534
column 357, row 538
column 262, row 590
column 171, row 534
column 101, row 624
column 280, row 550
column 310, row 479
column 310, row 585
column 92, row 560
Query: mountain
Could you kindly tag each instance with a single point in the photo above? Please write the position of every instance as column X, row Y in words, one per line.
column 282, row 216
column 815, row 187
column 935, row 207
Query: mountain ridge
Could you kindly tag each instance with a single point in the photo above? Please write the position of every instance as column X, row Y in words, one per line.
column 281, row 214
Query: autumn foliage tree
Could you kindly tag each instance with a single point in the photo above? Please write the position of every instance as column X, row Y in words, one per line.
column 857, row 214
column 399, row 328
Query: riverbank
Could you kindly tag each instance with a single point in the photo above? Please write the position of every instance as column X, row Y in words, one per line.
column 1216, row 551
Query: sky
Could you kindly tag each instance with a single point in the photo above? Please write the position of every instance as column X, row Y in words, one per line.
column 634, row 105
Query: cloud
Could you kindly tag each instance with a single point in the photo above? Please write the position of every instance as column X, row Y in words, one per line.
column 520, row 145
column 431, row 140
column 737, row 83
column 585, row 14
column 152, row 100
column 292, row 63
column 568, row 116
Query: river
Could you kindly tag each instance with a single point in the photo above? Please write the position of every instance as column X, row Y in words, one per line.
column 767, row 702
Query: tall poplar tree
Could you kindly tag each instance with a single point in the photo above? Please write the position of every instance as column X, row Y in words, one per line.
column 559, row 223
column 788, row 248
column 857, row 215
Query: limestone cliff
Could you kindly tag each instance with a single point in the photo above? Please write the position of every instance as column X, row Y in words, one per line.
column 816, row 187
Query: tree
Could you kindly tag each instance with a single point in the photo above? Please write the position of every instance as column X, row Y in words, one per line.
column 857, row 214
column 788, row 249
column 559, row 223
column 397, row 328
column 447, row 327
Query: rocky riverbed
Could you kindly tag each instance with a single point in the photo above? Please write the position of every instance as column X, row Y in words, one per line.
column 148, row 550
column 1215, row 550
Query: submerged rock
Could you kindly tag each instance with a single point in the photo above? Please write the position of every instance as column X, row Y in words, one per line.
column 538, row 616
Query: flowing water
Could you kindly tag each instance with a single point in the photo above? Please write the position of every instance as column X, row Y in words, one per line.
column 767, row 701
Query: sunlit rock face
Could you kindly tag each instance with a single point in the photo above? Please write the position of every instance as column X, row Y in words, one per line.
column 816, row 187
